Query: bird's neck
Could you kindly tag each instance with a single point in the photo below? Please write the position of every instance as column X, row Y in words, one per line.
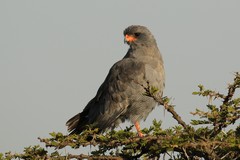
column 141, row 52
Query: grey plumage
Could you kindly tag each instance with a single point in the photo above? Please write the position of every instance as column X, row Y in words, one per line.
column 121, row 95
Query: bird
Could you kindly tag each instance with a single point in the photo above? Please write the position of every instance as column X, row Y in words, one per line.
column 122, row 95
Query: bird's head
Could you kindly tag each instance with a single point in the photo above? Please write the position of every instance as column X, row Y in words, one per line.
column 137, row 35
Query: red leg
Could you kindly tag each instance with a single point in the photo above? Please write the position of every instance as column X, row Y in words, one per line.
column 137, row 125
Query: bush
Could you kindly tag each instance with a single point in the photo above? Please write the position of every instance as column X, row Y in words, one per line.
column 207, row 140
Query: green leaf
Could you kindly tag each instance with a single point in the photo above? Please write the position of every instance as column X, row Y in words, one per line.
column 196, row 93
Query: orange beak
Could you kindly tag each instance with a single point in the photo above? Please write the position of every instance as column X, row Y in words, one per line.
column 129, row 38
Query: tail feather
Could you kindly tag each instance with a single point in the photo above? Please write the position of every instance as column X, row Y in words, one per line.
column 73, row 123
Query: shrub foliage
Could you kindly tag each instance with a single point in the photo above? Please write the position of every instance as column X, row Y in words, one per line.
column 213, row 135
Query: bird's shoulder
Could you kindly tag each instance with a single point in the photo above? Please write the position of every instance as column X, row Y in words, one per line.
column 121, row 78
column 127, row 67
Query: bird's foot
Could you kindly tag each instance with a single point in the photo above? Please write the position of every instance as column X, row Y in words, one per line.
column 140, row 134
column 137, row 126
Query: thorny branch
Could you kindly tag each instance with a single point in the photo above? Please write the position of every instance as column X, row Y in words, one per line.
column 151, row 92
column 224, row 107
column 232, row 87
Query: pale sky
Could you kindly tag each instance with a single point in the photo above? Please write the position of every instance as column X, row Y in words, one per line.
column 55, row 54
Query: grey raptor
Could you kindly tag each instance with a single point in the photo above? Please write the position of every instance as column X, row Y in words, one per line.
column 122, row 94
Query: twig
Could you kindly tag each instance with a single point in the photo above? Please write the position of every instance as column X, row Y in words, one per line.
column 168, row 107
column 232, row 88
column 223, row 108
column 185, row 153
column 83, row 156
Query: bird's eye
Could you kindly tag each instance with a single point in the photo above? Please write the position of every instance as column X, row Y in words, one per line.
column 137, row 34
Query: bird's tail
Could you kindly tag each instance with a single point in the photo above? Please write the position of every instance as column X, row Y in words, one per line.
column 73, row 124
